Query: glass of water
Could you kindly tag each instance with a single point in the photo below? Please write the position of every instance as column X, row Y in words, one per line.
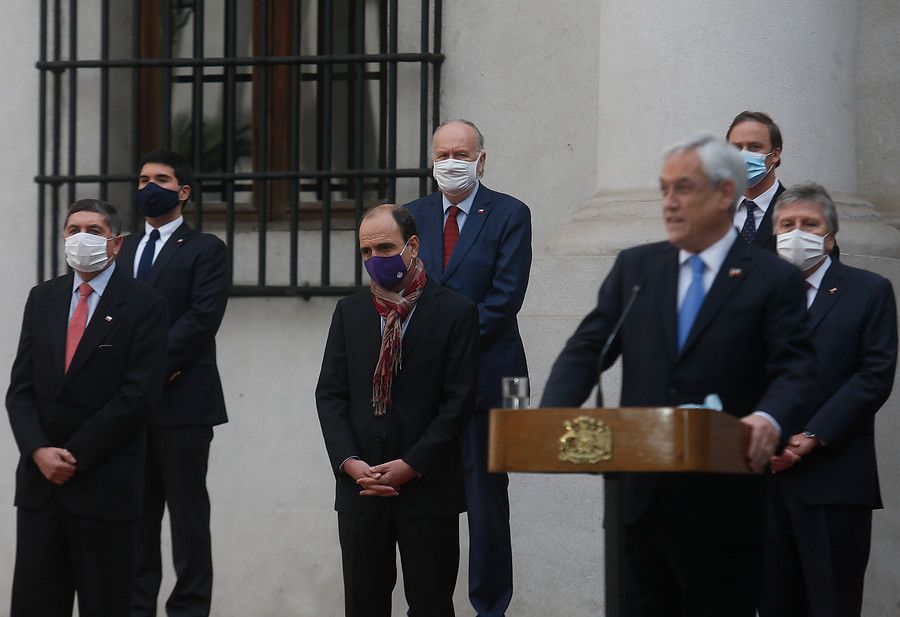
column 516, row 393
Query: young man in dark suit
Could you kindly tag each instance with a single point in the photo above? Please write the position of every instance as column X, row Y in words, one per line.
column 87, row 375
column 478, row 242
column 396, row 389
column 710, row 315
column 190, row 269
column 825, row 484
column 758, row 138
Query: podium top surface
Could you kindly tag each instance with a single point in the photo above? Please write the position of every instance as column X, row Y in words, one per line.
column 627, row 439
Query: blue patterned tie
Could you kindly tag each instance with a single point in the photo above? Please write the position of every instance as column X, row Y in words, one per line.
column 690, row 306
column 146, row 262
column 749, row 228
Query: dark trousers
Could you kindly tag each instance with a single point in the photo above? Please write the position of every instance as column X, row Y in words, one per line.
column 177, row 460
column 815, row 557
column 429, row 556
column 490, row 549
column 59, row 554
column 672, row 573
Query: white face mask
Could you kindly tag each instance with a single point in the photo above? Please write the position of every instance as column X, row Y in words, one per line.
column 801, row 248
column 455, row 177
column 87, row 252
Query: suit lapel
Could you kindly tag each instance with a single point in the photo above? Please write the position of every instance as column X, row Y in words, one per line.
column 125, row 259
column 431, row 231
column 825, row 297
column 765, row 225
column 425, row 307
column 475, row 219
column 734, row 270
column 103, row 321
column 175, row 241
column 59, row 321
column 665, row 275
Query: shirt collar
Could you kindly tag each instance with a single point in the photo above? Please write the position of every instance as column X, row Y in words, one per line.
column 714, row 255
column 165, row 231
column 764, row 200
column 98, row 283
column 466, row 204
column 815, row 279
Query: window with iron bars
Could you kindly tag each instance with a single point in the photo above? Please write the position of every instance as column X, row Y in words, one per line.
column 296, row 115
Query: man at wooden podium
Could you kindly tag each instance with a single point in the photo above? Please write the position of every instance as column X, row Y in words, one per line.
column 708, row 315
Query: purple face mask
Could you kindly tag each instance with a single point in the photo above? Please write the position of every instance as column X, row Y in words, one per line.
column 387, row 271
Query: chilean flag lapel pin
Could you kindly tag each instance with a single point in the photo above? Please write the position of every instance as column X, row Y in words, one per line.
column 108, row 318
column 480, row 210
column 832, row 291
column 735, row 272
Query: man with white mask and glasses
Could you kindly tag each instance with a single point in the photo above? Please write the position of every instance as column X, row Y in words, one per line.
column 477, row 242
column 759, row 140
column 88, row 373
column 825, row 482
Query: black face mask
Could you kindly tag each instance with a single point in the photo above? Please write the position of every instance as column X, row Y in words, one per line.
column 155, row 200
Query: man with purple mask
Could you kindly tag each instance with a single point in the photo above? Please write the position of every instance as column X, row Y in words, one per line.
column 397, row 386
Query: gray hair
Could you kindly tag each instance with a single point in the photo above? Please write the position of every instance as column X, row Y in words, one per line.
column 479, row 137
column 720, row 161
column 107, row 211
column 813, row 192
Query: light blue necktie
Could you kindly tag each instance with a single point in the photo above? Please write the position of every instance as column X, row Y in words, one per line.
column 690, row 306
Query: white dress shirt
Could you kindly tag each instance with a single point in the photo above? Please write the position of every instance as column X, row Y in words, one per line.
column 165, row 232
column 762, row 204
column 815, row 281
column 465, row 205
column 98, row 284
column 713, row 257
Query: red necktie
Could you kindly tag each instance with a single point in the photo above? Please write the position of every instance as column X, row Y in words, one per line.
column 451, row 233
column 78, row 322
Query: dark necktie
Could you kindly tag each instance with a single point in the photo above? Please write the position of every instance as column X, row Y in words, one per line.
column 749, row 228
column 690, row 306
column 451, row 233
column 143, row 272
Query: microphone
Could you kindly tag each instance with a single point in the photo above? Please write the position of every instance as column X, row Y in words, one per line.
column 635, row 290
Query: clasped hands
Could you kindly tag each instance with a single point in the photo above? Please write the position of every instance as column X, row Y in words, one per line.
column 57, row 464
column 382, row 480
column 799, row 446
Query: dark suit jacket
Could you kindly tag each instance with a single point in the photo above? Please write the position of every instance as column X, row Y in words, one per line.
column 854, row 320
column 432, row 397
column 764, row 238
column 98, row 410
column 749, row 344
column 489, row 265
column 191, row 271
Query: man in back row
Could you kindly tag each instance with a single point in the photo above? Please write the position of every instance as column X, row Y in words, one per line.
column 825, row 484
column 759, row 140
column 191, row 270
column 478, row 242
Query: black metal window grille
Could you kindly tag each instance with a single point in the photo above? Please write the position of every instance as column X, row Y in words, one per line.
column 297, row 116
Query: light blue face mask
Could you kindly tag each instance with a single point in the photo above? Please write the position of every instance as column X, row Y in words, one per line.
column 756, row 166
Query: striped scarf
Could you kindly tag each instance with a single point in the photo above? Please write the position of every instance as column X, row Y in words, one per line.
column 394, row 307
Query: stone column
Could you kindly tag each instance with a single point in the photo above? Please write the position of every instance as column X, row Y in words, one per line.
column 667, row 71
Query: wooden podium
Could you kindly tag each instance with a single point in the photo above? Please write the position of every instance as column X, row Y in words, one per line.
column 659, row 439
column 610, row 441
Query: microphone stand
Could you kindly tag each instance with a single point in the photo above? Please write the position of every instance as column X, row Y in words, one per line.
column 613, row 524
